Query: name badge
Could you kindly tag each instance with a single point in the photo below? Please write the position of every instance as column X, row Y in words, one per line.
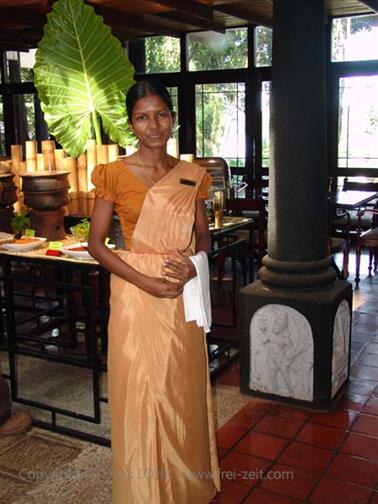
column 186, row 181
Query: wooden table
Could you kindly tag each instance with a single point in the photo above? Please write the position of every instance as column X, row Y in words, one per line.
column 351, row 200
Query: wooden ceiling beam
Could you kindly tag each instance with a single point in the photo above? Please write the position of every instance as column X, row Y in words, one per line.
column 144, row 23
column 372, row 4
column 11, row 17
column 188, row 19
column 24, row 36
column 188, row 7
column 242, row 13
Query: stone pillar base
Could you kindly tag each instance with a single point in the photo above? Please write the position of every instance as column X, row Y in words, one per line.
column 295, row 344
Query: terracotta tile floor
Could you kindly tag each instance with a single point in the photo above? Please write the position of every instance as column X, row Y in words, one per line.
column 272, row 453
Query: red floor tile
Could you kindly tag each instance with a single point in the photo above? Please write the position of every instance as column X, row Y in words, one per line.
column 331, row 491
column 374, row 498
column 340, row 418
column 291, row 481
column 243, row 468
column 291, row 412
column 279, row 426
column 321, row 435
column 362, row 446
column 361, row 387
column 221, row 452
column 365, row 372
column 261, row 496
column 354, row 469
column 371, row 406
column 232, row 492
column 367, row 424
column 372, row 348
column 309, row 458
column 247, row 418
column 229, row 435
column 352, row 402
column 368, row 359
column 261, row 445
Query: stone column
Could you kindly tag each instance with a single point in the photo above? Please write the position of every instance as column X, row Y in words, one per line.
column 296, row 318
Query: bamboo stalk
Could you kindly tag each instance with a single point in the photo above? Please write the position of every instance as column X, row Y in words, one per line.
column 74, row 206
column 102, row 154
column 16, row 157
column 82, row 173
column 48, row 147
column 40, row 163
column 113, row 152
column 59, row 155
column 31, row 156
column 91, row 162
column 70, row 163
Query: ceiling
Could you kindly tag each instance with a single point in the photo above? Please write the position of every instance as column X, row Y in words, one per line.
column 21, row 27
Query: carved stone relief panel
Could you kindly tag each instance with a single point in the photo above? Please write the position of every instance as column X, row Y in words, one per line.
column 340, row 355
column 282, row 352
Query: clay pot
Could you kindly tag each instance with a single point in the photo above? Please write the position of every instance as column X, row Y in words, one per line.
column 9, row 190
column 46, row 193
column 46, row 190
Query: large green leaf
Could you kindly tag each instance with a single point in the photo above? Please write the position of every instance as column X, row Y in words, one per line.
column 82, row 72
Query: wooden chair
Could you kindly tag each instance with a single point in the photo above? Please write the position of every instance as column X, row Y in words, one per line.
column 367, row 239
column 254, row 208
column 339, row 241
column 352, row 185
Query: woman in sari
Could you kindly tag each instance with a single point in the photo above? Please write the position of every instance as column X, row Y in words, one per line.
column 163, row 442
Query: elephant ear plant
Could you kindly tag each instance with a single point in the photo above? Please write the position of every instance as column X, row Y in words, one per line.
column 82, row 74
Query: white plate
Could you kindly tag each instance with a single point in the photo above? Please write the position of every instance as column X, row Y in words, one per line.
column 24, row 247
column 80, row 254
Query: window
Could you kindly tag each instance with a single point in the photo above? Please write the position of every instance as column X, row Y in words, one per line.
column 358, row 122
column 265, row 119
column 162, row 54
column 220, row 121
column 216, row 51
column 19, row 66
column 355, row 38
column 263, row 46
column 2, row 129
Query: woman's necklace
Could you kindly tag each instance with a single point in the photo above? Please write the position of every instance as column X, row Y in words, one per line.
column 140, row 163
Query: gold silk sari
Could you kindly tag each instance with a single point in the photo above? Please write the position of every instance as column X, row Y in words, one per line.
column 163, row 438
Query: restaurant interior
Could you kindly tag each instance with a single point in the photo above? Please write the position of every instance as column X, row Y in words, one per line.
column 278, row 100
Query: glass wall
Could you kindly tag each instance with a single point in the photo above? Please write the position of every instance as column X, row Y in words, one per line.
column 217, row 51
column 358, row 122
column 355, row 38
column 220, row 121
column 162, row 54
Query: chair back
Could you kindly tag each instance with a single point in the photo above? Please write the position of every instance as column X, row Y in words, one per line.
column 217, row 167
column 350, row 185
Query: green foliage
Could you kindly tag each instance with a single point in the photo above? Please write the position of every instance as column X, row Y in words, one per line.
column 20, row 222
column 80, row 231
column 82, row 72
column 162, row 54
column 214, row 51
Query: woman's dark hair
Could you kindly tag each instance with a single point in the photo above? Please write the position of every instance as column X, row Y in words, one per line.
column 143, row 88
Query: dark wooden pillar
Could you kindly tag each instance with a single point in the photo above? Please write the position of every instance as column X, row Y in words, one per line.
column 296, row 317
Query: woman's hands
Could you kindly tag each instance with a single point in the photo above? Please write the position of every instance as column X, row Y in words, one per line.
column 162, row 288
column 178, row 267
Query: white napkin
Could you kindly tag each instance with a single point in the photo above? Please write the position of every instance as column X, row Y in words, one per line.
column 196, row 293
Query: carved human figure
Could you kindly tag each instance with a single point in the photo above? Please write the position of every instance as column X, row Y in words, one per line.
column 281, row 352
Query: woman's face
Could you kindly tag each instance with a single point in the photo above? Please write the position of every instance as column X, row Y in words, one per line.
column 152, row 121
